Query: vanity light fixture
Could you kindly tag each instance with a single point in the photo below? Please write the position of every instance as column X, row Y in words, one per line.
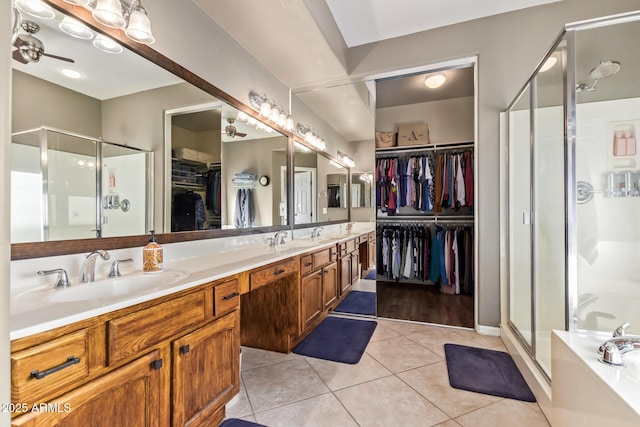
column 36, row 8
column 107, row 44
column 348, row 161
column 311, row 137
column 335, row 164
column 302, row 148
column 270, row 111
column 75, row 28
column 131, row 18
column 434, row 81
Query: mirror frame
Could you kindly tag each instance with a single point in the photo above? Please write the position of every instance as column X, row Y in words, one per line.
column 65, row 247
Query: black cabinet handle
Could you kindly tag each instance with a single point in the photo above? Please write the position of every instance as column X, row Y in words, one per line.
column 185, row 349
column 278, row 272
column 308, row 264
column 71, row 360
column 230, row 296
column 156, row 364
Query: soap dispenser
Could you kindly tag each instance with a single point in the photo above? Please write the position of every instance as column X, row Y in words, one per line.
column 152, row 256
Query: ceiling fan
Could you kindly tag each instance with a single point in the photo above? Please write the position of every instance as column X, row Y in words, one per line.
column 29, row 48
column 231, row 131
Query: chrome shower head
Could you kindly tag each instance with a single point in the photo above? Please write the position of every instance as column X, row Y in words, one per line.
column 605, row 69
column 601, row 71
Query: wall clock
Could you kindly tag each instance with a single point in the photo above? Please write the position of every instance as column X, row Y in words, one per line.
column 264, row 180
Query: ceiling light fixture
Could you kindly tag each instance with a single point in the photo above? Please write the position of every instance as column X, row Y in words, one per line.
column 72, row 74
column 36, row 8
column 107, row 44
column 434, row 81
column 348, row 161
column 75, row 28
column 548, row 64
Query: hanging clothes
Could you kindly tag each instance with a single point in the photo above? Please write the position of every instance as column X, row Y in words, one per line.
column 187, row 211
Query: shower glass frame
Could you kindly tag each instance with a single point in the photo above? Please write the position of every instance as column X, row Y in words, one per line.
column 566, row 41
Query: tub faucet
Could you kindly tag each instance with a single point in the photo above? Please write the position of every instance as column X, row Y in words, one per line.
column 88, row 269
column 611, row 350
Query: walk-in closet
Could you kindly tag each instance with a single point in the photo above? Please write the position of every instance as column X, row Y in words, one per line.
column 425, row 197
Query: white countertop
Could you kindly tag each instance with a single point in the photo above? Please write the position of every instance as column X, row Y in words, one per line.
column 37, row 307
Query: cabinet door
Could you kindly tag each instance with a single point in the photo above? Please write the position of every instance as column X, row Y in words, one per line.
column 355, row 266
column 345, row 274
column 311, row 298
column 329, row 285
column 206, row 366
column 133, row 395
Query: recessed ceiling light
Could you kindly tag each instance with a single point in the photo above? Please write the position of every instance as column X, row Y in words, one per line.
column 106, row 44
column 36, row 8
column 435, row 81
column 72, row 74
column 548, row 64
column 75, row 28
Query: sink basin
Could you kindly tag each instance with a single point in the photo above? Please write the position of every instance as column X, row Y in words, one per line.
column 130, row 284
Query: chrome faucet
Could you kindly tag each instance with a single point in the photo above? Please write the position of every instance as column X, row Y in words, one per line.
column 611, row 350
column 316, row 232
column 88, row 269
column 273, row 241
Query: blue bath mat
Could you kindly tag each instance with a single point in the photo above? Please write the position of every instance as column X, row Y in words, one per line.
column 486, row 371
column 338, row 339
column 371, row 275
column 358, row 302
column 235, row 422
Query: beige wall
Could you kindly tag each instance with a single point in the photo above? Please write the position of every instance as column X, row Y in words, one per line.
column 449, row 120
column 37, row 102
column 5, row 176
column 509, row 47
column 362, row 153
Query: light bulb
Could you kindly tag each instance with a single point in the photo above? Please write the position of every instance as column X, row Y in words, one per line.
column 139, row 28
column 106, row 44
column 75, row 28
column 435, row 81
column 36, row 8
column 109, row 13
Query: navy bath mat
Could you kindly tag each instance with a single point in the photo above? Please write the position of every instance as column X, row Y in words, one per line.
column 338, row 339
column 371, row 275
column 358, row 302
column 235, row 422
column 486, row 371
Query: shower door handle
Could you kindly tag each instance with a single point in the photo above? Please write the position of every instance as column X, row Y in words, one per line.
column 526, row 218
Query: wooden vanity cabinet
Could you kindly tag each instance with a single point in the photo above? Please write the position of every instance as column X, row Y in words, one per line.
column 345, row 275
column 170, row 361
column 329, row 285
column 310, row 298
column 132, row 395
column 319, row 288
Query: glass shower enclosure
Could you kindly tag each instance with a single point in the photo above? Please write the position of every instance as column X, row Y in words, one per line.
column 68, row 186
column 574, row 187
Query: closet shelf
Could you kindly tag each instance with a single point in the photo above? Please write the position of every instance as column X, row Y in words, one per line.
column 430, row 147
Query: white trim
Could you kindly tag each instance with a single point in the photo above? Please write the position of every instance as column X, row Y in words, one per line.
column 488, row 330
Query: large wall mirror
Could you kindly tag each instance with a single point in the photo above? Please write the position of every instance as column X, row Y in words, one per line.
column 321, row 192
column 111, row 94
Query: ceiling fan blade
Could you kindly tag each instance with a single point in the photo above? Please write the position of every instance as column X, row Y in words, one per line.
column 61, row 58
column 18, row 57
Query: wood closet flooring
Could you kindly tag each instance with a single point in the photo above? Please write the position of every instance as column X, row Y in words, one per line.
column 423, row 303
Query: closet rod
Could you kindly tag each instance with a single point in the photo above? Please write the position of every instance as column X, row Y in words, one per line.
column 426, row 218
column 396, row 151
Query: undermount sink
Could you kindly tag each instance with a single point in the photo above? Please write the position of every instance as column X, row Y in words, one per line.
column 108, row 288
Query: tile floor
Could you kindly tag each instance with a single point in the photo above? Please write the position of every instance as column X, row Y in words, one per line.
column 401, row 380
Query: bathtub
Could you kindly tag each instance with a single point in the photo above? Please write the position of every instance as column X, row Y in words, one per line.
column 586, row 392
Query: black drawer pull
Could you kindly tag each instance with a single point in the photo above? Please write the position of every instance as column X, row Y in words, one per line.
column 308, row 264
column 230, row 296
column 71, row 360
column 278, row 272
column 156, row 364
column 185, row 349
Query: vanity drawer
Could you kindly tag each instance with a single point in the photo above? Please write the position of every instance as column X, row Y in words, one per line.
column 226, row 297
column 269, row 274
column 42, row 371
column 362, row 239
column 133, row 333
column 324, row 257
column 351, row 245
column 306, row 264
column 372, row 235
